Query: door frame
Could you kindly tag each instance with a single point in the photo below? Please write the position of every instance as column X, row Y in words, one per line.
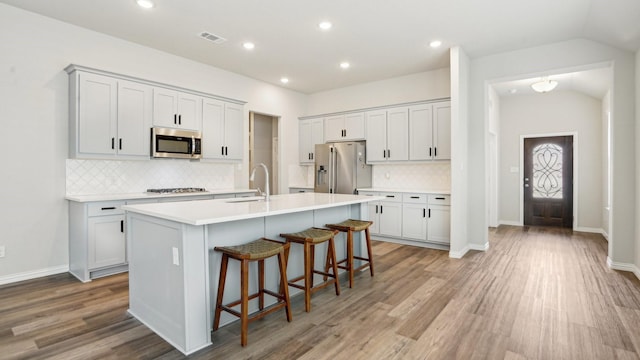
column 576, row 178
column 277, row 174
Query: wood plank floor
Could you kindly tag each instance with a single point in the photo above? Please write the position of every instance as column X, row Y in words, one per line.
column 538, row 293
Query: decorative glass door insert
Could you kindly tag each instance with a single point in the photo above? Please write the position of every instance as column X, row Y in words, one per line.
column 547, row 171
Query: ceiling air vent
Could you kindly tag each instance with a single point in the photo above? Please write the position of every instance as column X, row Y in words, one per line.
column 211, row 37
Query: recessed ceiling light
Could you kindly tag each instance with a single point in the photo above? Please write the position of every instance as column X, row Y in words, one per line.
column 325, row 25
column 249, row 45
column 147, row 4
column 284, row 80
column 345, row 65
column 435, row 43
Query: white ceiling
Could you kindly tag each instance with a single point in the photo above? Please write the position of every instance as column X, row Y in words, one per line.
column 380, row 38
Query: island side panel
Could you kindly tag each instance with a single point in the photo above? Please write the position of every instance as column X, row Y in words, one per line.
column 159, row 295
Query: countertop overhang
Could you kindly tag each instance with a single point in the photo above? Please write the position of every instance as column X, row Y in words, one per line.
column 150, row 195
column 204, row 212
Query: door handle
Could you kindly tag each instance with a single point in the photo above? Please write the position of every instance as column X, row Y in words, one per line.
column 435, row 152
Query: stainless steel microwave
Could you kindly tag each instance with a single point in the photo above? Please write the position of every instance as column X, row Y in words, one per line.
column 176, row 143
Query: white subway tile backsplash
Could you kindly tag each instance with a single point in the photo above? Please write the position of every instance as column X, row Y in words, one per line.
column 88, row 177
column 431, row 176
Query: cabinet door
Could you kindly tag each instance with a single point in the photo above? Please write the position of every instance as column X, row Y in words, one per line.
column 189, row 111
column 97, row 114
column 414, row 221
column 442, row 131
column 374, row 215
column 439, row 224
column 354, row 126
column 397, row 134
column 420, row 132
column 376, row 136
column 106, row 241
column 212, row 129
column 390, row 223
column 317, row 135
column 134, row 119
column 333, row 128
column 304, row 141
column 165, row 108
column 233, row 130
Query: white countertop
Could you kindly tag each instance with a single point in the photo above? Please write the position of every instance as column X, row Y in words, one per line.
column 205, row 212
column 146, row 195
column 420, row 191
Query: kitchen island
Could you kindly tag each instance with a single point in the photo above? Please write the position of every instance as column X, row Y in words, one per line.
column 174, row 271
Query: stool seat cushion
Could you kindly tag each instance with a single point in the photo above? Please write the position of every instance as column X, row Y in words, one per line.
column 354, row 225
column 258, row 249
column 314, row 235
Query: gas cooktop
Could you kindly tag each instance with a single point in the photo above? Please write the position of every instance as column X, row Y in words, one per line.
column 177, row 190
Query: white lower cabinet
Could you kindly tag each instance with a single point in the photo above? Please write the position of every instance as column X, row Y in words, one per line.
column 106, row 241
column 415, row 218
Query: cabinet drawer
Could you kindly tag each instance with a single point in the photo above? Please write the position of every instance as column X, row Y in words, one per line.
column 391, row 196
column 105, row 208
column 414, row 198
column 439, row 199
column 367, row 193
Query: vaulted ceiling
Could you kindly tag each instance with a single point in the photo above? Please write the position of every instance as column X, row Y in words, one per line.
column 379, row 38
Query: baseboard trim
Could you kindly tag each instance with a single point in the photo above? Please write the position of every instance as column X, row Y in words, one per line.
column 511, row 223
column 8, row 279
column 459, row 254
column 479, row 247
column 589, row 230
column 623, row 267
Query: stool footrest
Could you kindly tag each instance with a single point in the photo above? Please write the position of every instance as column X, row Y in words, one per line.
column 237, row 302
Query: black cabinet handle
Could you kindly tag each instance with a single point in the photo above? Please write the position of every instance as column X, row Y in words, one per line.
column 175, row 118
column 415, row 197
column 222, row 150
column 226, row 150
column 439, row 198
column 429, row 213
column 113, row 143
column 389, row 153
column 435, row 152
column 429, row 151
column 380, row 209
column 391, row 196
column 120, row 144
column 376, row 209
column 311, row 156
column 121, row 226
column 179, row 119
column 384, row 153
column 109, row 208
column 424, row 212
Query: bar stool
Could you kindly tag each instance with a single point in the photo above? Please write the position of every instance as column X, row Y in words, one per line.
column 258, row 250
column 349, row 226
column 310, row 238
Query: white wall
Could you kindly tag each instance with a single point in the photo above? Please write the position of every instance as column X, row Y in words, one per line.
column 606, row 191
column 34, row 109
column 637, row 218
column 564, row 56
column 416, row 87
column 553, row 113
column 460, row 236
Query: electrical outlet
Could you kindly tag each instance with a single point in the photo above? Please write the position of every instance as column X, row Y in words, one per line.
column 2, row 251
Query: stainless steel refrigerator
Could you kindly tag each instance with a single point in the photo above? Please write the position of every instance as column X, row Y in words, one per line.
column 341, row 168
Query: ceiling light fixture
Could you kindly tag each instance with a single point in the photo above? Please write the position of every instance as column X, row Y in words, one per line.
column 325, row 25
column 345, row 65
column 147, row 4
column 435, row 43
column 545, row 85
column 284, row 80
column 249, row 45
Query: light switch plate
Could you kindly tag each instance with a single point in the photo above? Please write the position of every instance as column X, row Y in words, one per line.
column 176, row 256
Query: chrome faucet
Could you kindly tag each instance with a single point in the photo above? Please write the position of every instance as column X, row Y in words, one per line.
column 266, row 181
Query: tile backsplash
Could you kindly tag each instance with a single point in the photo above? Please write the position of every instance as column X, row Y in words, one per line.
column 430, row 176
column 88, row 177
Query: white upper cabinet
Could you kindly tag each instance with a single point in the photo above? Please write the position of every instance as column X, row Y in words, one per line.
column 344, row 127
column 430, row 131
column 109, row 118
column 134, row 118
column 387, row 133
column 310, row 133
column 221, row 130
column 175, row 109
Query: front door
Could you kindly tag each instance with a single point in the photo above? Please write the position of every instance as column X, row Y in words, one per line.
column 548, row 181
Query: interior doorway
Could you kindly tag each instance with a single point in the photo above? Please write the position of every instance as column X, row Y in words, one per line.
column 548, row 181
column 263, row 148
